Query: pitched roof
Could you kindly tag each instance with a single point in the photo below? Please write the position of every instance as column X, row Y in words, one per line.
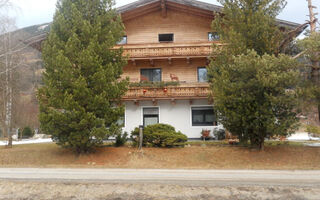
column 191, row 3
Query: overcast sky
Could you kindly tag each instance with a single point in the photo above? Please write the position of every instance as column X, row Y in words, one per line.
column 31, row 12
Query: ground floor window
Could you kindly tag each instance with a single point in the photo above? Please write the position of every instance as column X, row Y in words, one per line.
column 150, row 116
column 203, row 116
column 122, row 121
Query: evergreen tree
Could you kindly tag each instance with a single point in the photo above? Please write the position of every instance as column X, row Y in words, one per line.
column 250, row 80
column 79, row 103
column 311, row 60
column 249, row 24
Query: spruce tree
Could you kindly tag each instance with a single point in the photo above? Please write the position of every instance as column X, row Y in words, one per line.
column 310, row 47
column 79, row 103
column 252, row 84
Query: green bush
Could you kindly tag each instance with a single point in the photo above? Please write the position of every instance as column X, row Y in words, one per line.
column 27, row 132
column 313, row 129
column 160, row 135
column 121, row 139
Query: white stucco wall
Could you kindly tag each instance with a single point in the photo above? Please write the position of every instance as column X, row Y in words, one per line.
column 178, row 115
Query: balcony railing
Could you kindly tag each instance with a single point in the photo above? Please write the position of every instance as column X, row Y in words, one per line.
column 185, row 91
column 168, row 50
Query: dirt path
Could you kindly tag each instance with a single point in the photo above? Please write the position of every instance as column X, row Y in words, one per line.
column 22, row 190
column 143, row 184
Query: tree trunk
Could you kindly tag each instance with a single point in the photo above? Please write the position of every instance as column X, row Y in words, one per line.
column 10, row 141
column 319, row 111
column 313, row 20
column 5, row 131
column 243, row 139
column 257, row 141
column 261, row 146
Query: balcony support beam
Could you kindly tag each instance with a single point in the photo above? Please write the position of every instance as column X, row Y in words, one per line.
column 136, row 102
column 134, row 62
column 208, row 60
column 188, row 60
column 154, row 102
column 173, row 101
column 170, row 61
column 152, row 62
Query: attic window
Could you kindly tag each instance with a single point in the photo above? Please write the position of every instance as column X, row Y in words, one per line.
column 166, row 37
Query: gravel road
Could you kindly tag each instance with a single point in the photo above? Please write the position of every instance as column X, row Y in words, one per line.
column 129, row 184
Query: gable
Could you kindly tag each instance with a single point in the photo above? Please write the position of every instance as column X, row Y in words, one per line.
column 143, row 7
column 185, row 27
column 194, row 7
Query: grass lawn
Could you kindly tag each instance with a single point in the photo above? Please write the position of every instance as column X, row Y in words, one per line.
column 277, row 155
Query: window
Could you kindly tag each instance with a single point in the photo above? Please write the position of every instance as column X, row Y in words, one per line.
column 166, row 37
column 202, row 74
column 123, row 40
column 150, row 116
column 213, row 36
column 203, row 116
column 121, row 121
column 152, row 75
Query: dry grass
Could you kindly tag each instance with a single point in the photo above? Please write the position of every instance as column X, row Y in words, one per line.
column 279, row 156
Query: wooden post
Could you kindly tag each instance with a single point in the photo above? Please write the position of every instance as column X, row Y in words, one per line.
column 140, row 136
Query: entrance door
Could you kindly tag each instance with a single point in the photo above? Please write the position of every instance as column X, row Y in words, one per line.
column 150, row 116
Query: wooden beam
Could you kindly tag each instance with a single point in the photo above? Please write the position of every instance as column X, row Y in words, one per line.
column 154, row 102
column 163, row 8
column 151, row 62
column 208, row 60
column 170, row 61
column 134, row 62
column 136, row 102
column 173, row 101
column 188, row 60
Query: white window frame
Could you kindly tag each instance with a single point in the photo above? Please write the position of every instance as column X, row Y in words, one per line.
column 142, row 107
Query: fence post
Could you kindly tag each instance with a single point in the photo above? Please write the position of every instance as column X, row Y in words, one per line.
column 140, row 136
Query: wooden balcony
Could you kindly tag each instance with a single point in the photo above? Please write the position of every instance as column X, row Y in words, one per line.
column 167, row 50
column 184, row 91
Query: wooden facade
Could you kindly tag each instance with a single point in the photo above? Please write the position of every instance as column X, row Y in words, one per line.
column 190, row 23
column 178, row 60
column 187, row 28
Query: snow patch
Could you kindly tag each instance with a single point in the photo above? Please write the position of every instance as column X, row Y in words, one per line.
column 313, row 145
column 27, row 141
column 41, row 28
column 302, row 136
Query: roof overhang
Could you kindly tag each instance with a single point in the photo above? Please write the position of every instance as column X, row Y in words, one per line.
column 142, row 7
